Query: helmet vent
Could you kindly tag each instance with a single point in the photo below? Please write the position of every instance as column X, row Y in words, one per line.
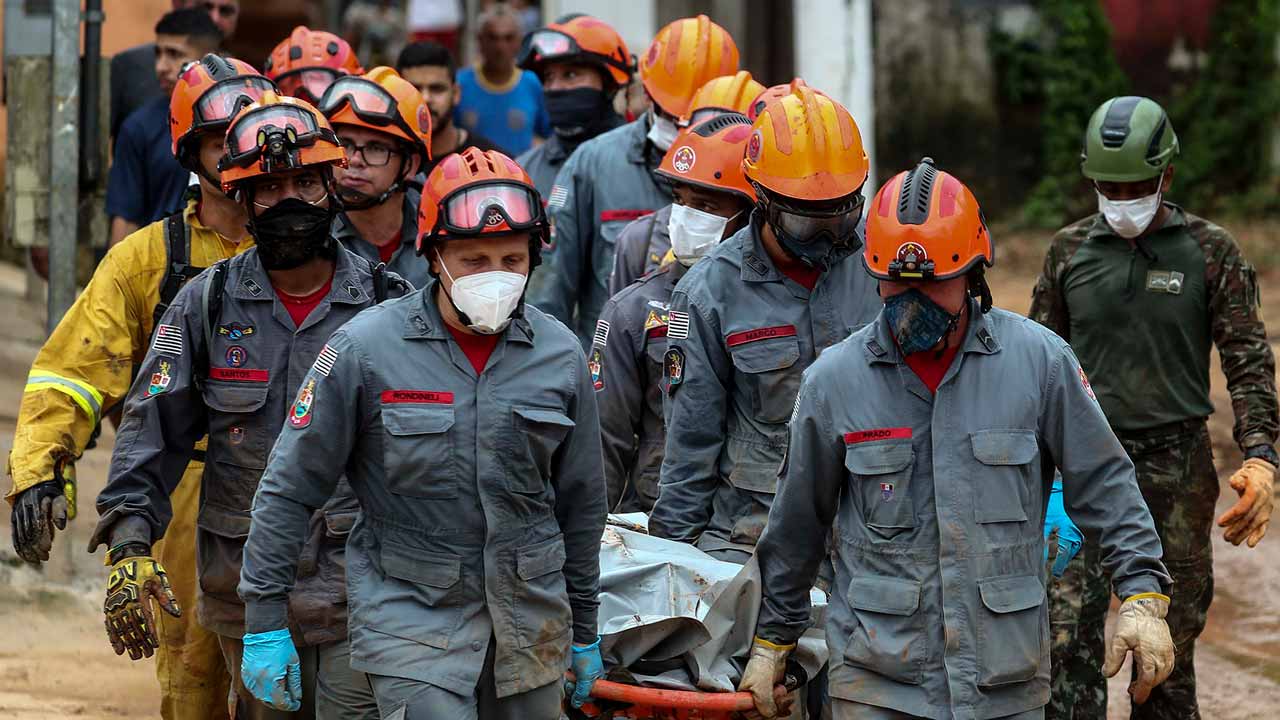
column 720, row 122
column 1153, row 148
column 1115, row 125
column 917, row 189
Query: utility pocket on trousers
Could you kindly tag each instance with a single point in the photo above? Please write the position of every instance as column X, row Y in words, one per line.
column 1013, row 634
column 542, row 610
column 417, row 451
column 889, row 638
column 1002, row 489
column 881, row 476
column 220, row 548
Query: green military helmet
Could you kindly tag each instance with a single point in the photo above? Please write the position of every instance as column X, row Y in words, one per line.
column 1129, row 139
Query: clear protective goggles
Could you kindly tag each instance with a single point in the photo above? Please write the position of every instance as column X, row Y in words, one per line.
column 227, row 97
column 308, row 84
column 473, row 209
column 370, row 101
column 273, row 129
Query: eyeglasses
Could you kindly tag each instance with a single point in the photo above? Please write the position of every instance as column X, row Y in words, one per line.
column 475, row 208
column 375, row 154
column 227, row 11
column 268, row 191
column 307, row 84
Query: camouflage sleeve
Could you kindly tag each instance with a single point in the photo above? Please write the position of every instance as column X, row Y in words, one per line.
column 1238, row 331
column 1048, row 306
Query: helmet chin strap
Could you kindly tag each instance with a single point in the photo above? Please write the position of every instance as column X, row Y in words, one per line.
column 376, row 200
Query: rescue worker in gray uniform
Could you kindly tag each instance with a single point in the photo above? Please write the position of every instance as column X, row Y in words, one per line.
column 751, row 316
column 609, row 180
column 467, row 425
column 227, row 358
column 582, row 63
column 713, row 200
column 929, row 439
column 643, row 244
column 384, row 125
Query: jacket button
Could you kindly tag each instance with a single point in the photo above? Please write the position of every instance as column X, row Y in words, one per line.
column 477, row 646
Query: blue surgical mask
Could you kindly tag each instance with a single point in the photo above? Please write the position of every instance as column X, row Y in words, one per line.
column 917, row 322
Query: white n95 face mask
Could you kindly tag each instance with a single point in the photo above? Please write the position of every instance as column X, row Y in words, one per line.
column 487, row 299
column 1130, row 218
column 662, row 132
column 694, row 232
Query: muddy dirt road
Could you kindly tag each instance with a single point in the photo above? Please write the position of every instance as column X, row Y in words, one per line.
column 55, row 660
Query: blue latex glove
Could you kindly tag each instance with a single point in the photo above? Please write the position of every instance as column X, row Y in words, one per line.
column 271, row 671
column 1069, row 537
column 587, row 667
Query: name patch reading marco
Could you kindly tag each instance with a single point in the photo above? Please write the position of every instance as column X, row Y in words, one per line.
column 749, row 336
column 861, row 436
column 423, row 397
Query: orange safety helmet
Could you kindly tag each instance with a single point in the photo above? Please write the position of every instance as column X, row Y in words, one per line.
column 771, row 94
column 682, row 58
column 381, row 100
column 583, row 39
column 480, row 192
column 210, row 92
column 924, row 224
column 807, row 147
column 275, row 134
column 709, row 155
column 727, row 93
column 308, row 61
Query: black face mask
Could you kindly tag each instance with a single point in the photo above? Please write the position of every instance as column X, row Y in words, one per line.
column 293, row 231
column 580, row 113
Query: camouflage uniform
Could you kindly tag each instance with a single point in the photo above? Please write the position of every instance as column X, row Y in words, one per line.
column 1144, row 387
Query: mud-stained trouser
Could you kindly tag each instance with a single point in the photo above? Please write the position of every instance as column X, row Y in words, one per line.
column 846, row 710
column 1178, row 481
column 193, row 678
column 404, row 699
column 331, row 690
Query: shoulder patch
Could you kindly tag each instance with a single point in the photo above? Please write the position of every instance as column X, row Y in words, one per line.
column 300, row 413
column 159, row 380
column 677, row 325
column 325, row 360
column 601, row 337
column 673, row 368
column 559, row 195
column 595, row 365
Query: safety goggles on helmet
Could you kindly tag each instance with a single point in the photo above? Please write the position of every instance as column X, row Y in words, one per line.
column 546, row 45
column 273, row 130
column 702, row 114
column 803, row 226
column 473, row 209
column 225, row 98
column 309, row 84
column 369, row 100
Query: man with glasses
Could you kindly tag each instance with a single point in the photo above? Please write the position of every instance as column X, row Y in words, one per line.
column 1142, row 290
column 747, row 319
column 85, row 368
column 467, row 423
column 307, row 62
column 227, row 358
column 385, row 127
column 145, row 183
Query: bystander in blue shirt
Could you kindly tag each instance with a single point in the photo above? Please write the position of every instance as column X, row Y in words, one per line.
column 509, row 116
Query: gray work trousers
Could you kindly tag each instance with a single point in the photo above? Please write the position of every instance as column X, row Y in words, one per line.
column 331, row 690
column 846, row 710
column 404, row 699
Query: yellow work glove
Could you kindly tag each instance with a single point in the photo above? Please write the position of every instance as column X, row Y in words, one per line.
column 1142, row 629
column 1251, row 514
column 135, row 582
column 764, row 670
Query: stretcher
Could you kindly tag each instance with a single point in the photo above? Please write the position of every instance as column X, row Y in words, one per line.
column 676, row 627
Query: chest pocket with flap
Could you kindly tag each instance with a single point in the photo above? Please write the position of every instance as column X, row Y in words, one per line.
column 766, row 367
column 881, row 474
column 417, row 450
column 539, row 432
column 1002, row 485
column 239, row 433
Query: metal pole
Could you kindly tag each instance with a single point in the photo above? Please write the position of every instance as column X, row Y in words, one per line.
column 64, row 158
column 90, row 158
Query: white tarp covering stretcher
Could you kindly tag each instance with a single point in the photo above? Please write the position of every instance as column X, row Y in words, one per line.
column 672, row 616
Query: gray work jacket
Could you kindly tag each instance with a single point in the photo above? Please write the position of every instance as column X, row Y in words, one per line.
column 482, row 499
column 641, row 247
column 605, row 184
column 237, row 389
column 741, row 332
column 938, row 606
column 405, row 262
column 626, row 369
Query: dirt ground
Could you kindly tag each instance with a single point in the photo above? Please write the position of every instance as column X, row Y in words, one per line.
column 55, row 660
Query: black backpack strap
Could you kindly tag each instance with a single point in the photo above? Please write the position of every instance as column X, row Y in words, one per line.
column 210, row 310
column 177, row 268
column 379, row 282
